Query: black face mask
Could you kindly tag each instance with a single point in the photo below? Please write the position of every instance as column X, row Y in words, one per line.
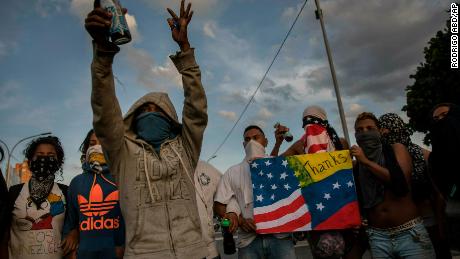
column 43, row 166
column 370, row 142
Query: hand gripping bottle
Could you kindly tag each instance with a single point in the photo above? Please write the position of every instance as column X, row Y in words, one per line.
column 286, row 135
column 229, row 242
column 119, row 31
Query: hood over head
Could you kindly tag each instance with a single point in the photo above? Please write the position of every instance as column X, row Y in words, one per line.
column 161, row 100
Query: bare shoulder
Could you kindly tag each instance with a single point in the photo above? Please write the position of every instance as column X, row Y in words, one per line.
column 399, row 148
column 401, row 153
column 426, row 153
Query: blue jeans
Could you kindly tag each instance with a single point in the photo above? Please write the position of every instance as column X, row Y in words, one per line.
column 413, row 243
column 268, row 247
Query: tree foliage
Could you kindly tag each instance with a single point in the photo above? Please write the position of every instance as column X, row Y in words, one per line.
column 435, row 82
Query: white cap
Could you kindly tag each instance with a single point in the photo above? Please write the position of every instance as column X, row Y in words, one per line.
column 315, row 111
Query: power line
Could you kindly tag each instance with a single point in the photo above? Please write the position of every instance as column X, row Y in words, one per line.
column 120, row 83
column 260, row 84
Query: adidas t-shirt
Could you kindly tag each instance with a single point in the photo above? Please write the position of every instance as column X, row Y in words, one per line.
column 94, row 209
column 36, row 233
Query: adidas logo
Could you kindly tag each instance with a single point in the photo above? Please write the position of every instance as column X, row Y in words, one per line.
column 97, row 205
column 97, row 224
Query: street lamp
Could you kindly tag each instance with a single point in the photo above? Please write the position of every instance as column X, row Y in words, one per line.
column 10, row 153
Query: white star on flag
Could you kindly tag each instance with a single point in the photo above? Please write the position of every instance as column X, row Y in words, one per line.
column 269, row 175
column 283, row 176
column 336, row 185
column 320, row 206
column 261, row 173
column 287, row 187
column 254, row 165
column 274, row 187
column 267, row 163
column 253, row 186
column 259, row 198
column 350, row 184
column 327, row 196
column 261, row 186
column 272, row 197
column 285, row 163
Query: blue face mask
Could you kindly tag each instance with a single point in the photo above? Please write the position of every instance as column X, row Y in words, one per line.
column 153, row 128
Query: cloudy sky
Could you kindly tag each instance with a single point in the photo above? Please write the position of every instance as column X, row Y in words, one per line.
column 45, row 56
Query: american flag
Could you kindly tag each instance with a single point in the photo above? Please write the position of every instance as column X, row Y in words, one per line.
column 278, row 202
column 316, row 139
column 286, row 200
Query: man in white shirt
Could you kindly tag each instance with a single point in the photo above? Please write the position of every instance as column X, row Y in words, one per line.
column 236, row 183
column 207, row 179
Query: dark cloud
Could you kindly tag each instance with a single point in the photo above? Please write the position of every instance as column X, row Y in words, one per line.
column 376, row 45
column 318, row 78
column 270, row 95
column 279, row 93
column 235, row 97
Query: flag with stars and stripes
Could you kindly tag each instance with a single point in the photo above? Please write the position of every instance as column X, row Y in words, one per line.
column 306, row 192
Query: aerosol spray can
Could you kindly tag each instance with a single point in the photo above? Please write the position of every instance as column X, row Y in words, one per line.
column 119, row 31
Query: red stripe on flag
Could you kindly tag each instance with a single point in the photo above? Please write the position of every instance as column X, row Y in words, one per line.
column 315, row 129
column 288, row 227
column 316, row 147
column 281, row 211
column 350, row 212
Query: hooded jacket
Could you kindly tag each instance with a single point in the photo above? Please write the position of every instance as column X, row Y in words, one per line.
column 157, row 193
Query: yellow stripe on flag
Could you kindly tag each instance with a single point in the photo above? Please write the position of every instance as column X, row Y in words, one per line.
column 325, row 164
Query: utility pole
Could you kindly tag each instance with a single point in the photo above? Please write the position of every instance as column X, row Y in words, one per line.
column 319, row 15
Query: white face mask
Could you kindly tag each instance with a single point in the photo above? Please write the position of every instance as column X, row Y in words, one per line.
column 254, row 150
column 94, row 154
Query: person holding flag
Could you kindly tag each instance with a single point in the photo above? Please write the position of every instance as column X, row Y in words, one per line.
column 319, row 137
column 395, row 228
column 236, row 183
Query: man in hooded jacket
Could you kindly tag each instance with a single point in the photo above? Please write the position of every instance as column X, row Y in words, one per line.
column 152, row 155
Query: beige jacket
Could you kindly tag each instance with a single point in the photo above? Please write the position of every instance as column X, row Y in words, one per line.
column 157, row 194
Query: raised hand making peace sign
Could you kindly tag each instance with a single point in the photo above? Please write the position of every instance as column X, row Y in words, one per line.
column 179, row 25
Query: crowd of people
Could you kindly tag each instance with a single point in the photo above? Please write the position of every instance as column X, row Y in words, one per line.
column 143, row 193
